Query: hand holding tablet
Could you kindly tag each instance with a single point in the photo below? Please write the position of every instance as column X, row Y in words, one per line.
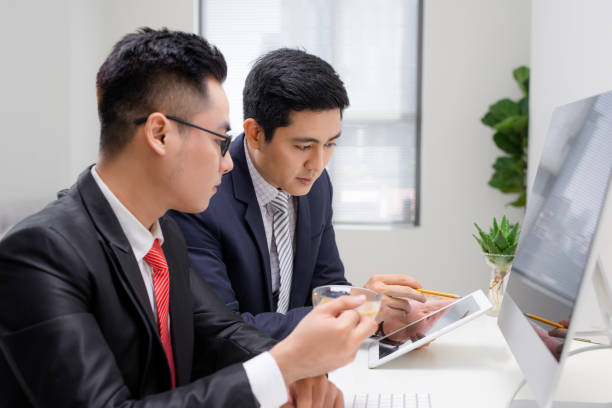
column 421, row 318
column 428, row 327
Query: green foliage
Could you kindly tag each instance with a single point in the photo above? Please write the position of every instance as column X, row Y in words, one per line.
column 510, row 120
column 502, row 239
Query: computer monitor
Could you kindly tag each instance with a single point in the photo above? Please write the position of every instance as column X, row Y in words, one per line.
column 558, row 249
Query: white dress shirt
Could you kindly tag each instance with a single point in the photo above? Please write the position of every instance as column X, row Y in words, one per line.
column 265, row 193
column 264, row 376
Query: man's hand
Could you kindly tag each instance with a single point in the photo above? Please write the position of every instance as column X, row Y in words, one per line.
column 561, row 333
column 314, row 392
column 395, row 289
column 327, row 338
column 418, row 330
column 555, row 346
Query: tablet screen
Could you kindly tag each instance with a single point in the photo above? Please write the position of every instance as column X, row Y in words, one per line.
column 428, row 324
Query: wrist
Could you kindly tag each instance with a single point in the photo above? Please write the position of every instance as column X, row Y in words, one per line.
column 283, row 359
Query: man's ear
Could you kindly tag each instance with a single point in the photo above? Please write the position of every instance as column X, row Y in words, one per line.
column 253, row 133
column 155, row 132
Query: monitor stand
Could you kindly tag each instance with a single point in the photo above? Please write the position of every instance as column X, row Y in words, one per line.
column 603, row 294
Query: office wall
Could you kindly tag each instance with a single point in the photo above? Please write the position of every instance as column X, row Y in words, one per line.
column 51, row 53
column 92, row 41
column 470, row 50
column 570, row 61
column 35, row 98
column 569, row 57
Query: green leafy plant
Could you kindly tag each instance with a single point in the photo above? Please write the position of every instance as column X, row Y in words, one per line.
column 510, row 120
column 502, row 238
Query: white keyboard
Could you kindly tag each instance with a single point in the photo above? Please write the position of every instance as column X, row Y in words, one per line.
column 395, row 400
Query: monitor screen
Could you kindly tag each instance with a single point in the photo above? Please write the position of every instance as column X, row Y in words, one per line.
column 564, row 209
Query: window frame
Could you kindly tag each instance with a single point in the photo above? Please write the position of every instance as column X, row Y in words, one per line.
column 199, row 24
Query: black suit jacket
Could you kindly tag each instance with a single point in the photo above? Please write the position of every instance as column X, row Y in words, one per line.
column 227, row 245
column 76, row 326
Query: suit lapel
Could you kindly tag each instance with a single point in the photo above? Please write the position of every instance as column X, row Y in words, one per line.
column 120, row 254
column 245, row 193
column 301, row 274
column 181, row 314
column 117, row 246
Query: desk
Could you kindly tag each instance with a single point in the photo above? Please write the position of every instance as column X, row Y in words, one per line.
column 472, row 367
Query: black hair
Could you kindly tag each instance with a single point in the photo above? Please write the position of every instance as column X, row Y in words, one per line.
column 153, row 70
column 287, row 80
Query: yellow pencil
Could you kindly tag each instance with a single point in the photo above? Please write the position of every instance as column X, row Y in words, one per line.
column 557, row 325
column 433, row 292
column 543, row 320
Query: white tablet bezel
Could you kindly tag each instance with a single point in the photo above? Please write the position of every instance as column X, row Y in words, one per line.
column 483, row 306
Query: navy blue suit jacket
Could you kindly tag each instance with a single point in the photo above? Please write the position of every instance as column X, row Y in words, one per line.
column 227, row 245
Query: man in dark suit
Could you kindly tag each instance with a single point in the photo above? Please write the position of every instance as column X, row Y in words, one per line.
column 99, row 305
column 261, row 261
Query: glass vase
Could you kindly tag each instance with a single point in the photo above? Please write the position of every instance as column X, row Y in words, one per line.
column 500, row 268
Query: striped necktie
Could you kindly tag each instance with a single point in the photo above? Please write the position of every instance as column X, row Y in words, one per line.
column 161, row 286
column 284, row 248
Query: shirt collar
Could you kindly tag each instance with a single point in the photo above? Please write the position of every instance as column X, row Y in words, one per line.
column 264, row 191
column 140, row 239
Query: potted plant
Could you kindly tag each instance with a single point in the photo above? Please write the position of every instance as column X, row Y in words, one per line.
column 499, row 247
column 510, row 121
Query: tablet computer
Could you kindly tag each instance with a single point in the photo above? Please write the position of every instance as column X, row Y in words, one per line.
column 425, row 329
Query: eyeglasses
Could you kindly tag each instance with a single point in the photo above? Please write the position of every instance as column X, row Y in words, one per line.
column 224, row 144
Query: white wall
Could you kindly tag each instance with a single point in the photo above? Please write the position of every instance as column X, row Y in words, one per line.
column 51, row 53
column 35, row 100
column 470, row 50
column 113, row 19
column 570, row 60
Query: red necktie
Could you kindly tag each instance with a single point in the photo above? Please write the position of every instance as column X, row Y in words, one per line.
column 161, row 286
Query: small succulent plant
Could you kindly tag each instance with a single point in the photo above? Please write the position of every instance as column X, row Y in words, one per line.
column 502, row 238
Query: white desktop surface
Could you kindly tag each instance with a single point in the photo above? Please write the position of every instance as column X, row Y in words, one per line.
column 472, row 367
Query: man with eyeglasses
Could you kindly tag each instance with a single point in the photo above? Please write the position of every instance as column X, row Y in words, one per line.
column 224, row 140
column 267, row 238
column 99, row 305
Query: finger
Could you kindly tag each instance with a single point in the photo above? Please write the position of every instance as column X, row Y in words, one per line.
column 349, row 318
column 396, row 279
column 433, row 305
column 288, row 405
column 401, row 316
column 339, row 401
column 397, row 303
column 365, row 328
column 393, row 308
column 390, row 315
column 337, row 306
column 402, row 292
column 564, row 322
column 330, row 395
column 325, row 397
column 292, row 391
column 556, row 332
column 303, row 391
